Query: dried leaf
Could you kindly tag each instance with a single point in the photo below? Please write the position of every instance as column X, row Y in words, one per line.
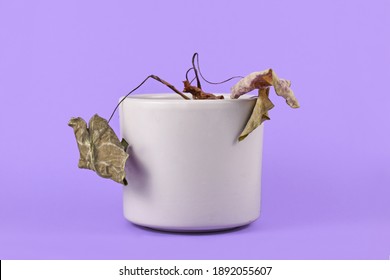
column 262, row 80
column 282, row 88
column 255, row 80
column 266, row 78
column 198, row 93
column 100, row 149
column 259, row 113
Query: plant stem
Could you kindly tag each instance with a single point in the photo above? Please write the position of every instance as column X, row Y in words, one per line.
column 137, row 87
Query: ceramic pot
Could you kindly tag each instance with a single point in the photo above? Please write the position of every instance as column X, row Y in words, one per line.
column 187, row 171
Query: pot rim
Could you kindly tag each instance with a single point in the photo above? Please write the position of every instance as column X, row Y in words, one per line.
column 175, row 98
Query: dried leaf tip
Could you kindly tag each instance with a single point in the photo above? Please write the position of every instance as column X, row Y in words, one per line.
column 259, row 113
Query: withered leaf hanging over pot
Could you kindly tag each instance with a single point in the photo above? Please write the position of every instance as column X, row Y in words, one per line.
column 100, row 149
column 262, row 81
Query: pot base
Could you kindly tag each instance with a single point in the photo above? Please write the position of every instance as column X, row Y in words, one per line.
column 188, row 229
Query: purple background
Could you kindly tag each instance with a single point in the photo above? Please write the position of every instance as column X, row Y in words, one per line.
column 326, row 173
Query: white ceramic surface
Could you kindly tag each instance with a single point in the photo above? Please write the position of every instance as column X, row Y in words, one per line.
column 187, row 171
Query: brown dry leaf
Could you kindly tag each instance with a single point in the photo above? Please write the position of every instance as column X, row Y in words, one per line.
column 262, row 80
column 100, row 149
column 259, row 113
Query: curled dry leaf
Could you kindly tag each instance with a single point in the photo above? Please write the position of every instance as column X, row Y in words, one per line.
column 198, row 93
column 255, row 80
column 262, row 80
column 266, row 78
column 100, row 149
column 259, row 113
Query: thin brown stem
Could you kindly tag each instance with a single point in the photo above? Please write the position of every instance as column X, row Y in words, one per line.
column 169, row 85
column 196, row 71
column 214, row 83
column 137, row 87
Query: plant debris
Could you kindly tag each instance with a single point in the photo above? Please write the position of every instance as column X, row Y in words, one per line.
column 262, row 80
column 259, row 113
column 100, row 149
column 198, row 93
